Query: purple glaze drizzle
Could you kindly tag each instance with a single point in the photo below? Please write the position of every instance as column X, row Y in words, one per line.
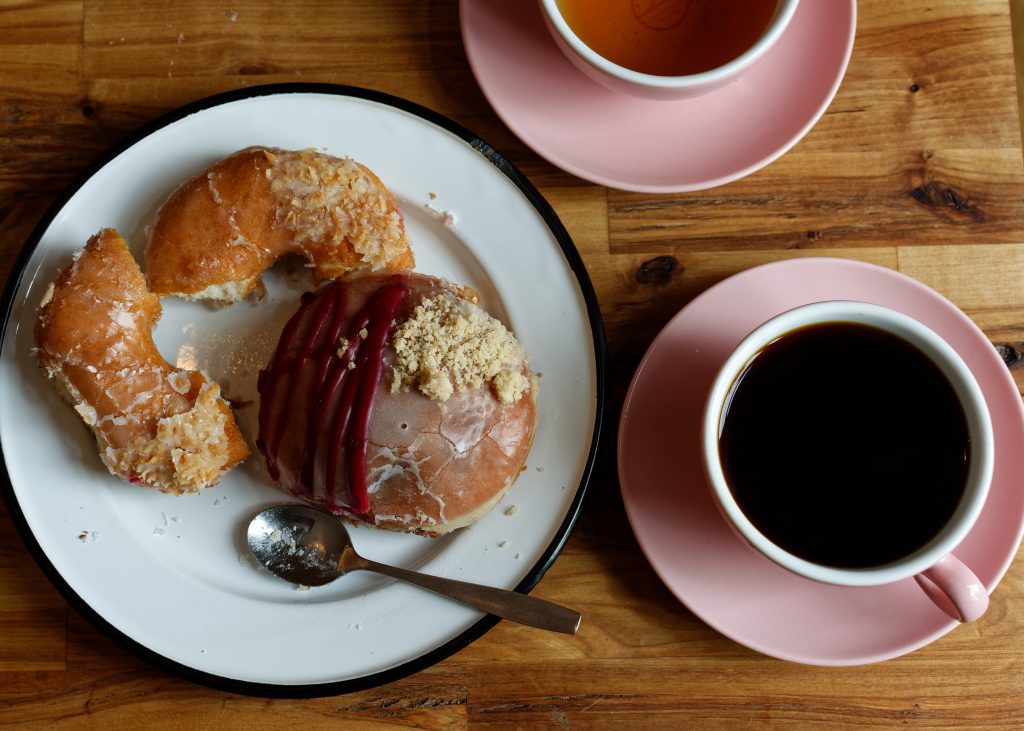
column 340, row 399
column 324, row 357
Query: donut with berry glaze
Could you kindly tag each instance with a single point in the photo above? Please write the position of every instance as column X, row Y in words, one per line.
column 395, row 400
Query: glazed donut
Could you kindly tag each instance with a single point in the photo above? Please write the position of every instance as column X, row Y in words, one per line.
column 395, row 400
column 155, row 425
column 220, row 231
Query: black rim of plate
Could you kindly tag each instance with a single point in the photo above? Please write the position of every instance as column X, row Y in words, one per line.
column 571, row 255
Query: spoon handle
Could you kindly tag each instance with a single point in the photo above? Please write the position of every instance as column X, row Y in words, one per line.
column 521, row 608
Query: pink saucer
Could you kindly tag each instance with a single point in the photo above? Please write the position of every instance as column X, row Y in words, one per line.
column 647, row 146
column 724, row 582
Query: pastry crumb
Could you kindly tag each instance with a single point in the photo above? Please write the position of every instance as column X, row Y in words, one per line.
column 87, row 412
column 511, row 510
column 47, row 296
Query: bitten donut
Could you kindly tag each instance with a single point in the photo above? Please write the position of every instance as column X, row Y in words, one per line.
column 220, row 231
column 395, row 400
column 155, row 425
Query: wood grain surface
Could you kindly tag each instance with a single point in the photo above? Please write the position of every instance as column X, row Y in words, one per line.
column 915, row 166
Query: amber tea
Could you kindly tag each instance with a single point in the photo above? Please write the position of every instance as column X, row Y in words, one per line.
column 669, row 37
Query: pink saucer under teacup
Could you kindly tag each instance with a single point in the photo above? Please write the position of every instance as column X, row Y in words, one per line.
column 736, row 590
column 656, row 146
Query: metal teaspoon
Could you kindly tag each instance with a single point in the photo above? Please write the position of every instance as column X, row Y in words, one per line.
column 311, row 547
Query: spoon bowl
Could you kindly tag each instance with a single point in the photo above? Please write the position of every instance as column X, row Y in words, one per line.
column 299, row 543
column 311, row 547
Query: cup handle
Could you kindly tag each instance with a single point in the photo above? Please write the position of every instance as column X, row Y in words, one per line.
column 954, row 588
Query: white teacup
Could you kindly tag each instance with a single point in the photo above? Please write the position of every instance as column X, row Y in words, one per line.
column 947, row 581
column 650, row 86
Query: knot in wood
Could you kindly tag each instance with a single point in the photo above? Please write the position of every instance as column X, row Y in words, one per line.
column 1012, row 354
column 658, row 270
column 938, row 197
column 90, row 108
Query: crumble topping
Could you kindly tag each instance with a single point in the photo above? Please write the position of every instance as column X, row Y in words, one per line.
column 189, row 452
column 327, row 200
column 448, row 346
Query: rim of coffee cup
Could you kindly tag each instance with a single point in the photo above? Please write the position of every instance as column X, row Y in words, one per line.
column 949, row 362
column 776, row 26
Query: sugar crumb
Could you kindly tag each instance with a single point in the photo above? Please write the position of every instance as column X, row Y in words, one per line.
column 447, row 218
column 247, row 559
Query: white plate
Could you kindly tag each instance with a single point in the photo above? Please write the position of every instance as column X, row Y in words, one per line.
column 172, row 575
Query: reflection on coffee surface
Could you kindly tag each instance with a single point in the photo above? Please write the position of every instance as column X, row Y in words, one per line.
column 668, row 37
column 845, row 445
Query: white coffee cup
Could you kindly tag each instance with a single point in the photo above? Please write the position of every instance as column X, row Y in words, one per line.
column 650, row 86
column 946, row 580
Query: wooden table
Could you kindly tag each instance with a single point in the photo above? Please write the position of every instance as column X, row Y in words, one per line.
column 916, row 166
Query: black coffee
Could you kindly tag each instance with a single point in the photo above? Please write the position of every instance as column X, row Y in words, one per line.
column 845, row 445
